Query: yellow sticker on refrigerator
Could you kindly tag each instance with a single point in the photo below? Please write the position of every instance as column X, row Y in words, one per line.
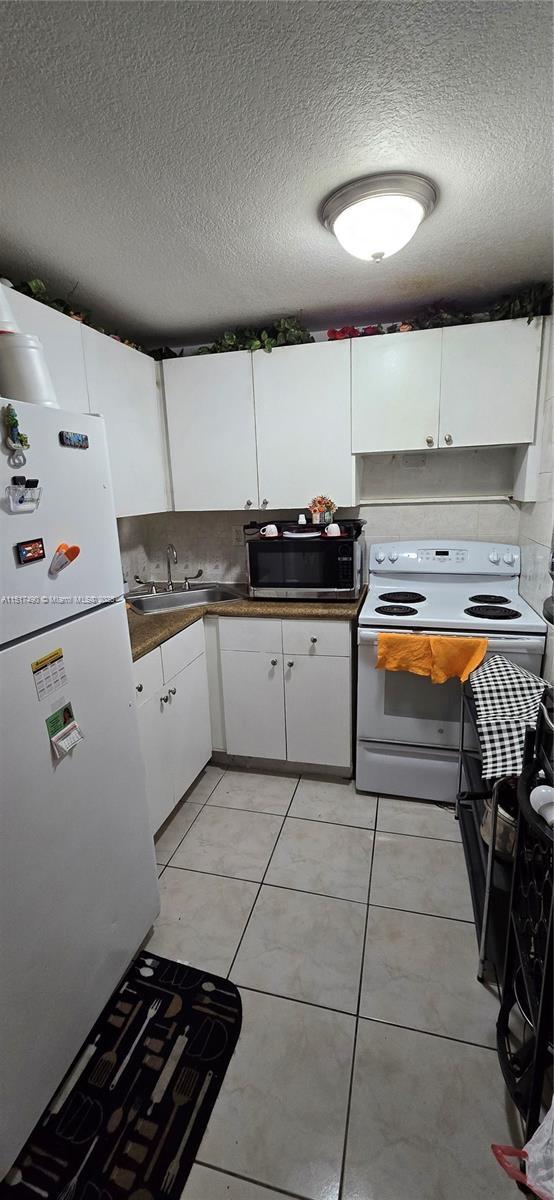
column 49, row 673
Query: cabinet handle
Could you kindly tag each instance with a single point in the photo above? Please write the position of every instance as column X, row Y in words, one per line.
column 265, row 503
column 164, row 699
column 173, row 691
column 249, row 504
column 274, row 662
column 139, row 687
column 290, row 664
column 430, row 441
column 448, row 439
column 313, row 641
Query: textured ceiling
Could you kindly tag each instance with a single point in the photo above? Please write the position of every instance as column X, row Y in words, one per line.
column 172, row 157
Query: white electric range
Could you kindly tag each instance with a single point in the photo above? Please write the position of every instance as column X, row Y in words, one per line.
column 407, row 726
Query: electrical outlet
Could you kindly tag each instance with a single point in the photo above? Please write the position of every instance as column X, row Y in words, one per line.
column 238, row 535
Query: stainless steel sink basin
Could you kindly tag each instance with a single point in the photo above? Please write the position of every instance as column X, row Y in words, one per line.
column 212, row 593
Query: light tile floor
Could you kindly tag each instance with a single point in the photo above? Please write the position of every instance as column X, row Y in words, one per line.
column 365, row 1069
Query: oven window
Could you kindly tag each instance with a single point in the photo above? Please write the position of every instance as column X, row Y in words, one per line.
column 408, row 695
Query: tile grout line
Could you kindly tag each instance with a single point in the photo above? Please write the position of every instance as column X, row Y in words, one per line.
column 200, row 809
column 416, row 912
column 282, row 886
column 262, row 880
column 357, row 1018
column 248, row 1179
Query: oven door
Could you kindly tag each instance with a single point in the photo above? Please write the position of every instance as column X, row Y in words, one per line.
column 396, row 706
column 318, row 568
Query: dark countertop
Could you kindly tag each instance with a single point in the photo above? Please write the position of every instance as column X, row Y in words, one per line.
column 149, row 631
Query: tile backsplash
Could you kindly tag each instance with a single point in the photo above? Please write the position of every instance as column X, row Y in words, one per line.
column 206, row 540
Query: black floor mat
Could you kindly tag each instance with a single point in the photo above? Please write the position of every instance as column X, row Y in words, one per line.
column 127, row 1122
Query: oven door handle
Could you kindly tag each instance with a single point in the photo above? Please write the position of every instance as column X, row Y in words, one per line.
column 498, row 642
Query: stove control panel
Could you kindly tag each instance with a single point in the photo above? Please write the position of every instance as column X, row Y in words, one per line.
column 445, row 558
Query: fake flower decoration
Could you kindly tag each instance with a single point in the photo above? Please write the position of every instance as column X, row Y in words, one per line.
column 322, row 504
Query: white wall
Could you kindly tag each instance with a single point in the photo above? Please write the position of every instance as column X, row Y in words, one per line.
column 536, row 523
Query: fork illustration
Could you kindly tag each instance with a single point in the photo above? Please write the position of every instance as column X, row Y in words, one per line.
column 183, row 1090
column 106, row 1063
column 151, row 1013
column 171, row 1173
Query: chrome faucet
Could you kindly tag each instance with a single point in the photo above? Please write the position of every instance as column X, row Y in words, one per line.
column 189, row 577
column 171, row 556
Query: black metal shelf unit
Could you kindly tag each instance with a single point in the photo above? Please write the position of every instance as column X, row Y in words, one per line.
column 490, row 909
column 528, row 989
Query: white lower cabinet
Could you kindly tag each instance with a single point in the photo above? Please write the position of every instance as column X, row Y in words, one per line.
column 253, row 702
column 318, row 710
column 294, row 705
column 188, row 713
column 154, row 733
column 174, row 721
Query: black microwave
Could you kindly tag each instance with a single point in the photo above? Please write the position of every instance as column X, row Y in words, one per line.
column 303, row 562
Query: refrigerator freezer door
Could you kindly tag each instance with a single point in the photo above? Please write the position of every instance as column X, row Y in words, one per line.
column 78, row 884
column 76, row 508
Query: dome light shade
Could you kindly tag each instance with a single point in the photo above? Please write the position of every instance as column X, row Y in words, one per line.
column 375, row 217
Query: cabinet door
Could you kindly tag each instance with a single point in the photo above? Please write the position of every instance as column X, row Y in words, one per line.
column 395, row 391
column 189, row 723
column 212, row 437
column 302, row 398
column 489, row 383
column 318, row 706
column 61, row 338
column 253, row 703
column 123, row 388
column 155, row 741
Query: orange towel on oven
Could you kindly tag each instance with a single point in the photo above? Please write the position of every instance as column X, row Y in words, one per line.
column 439, row 656
column 456, row 656
column 405, row 652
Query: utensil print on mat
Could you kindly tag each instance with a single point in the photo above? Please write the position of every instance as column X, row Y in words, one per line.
column 119, row 1113
column 80, row 1120
column 214, row 1012
column 183, row 1090
column 70, row 1188
column 175, row 1004
column 214, row 1002
column 150, row 1014
column 30, row 1162
column 171, row 1173
column 209, row 1041
column 101, row 1072
column 123, row 1178
column 208, row 986
column 169, row 1069
column 131, row 1116
column 62, row 1162
column 74, row 1075
column 15, row 1176
column 91, row 1191
column 179, row 973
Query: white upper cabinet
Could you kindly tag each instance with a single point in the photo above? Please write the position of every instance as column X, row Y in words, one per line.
column 302, row 396
column 122, row 386
column 489, row 383
column 396, row 391
column 63, row 348
column 212, row 434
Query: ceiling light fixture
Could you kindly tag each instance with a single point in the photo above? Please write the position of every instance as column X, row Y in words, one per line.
column 375, row 217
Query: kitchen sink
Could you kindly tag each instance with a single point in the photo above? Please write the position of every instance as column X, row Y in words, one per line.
column 211, row 593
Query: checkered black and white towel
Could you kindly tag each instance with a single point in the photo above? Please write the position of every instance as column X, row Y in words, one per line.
column 507, row 700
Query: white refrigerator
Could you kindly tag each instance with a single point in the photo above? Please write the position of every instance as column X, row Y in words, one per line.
column 78, row 883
